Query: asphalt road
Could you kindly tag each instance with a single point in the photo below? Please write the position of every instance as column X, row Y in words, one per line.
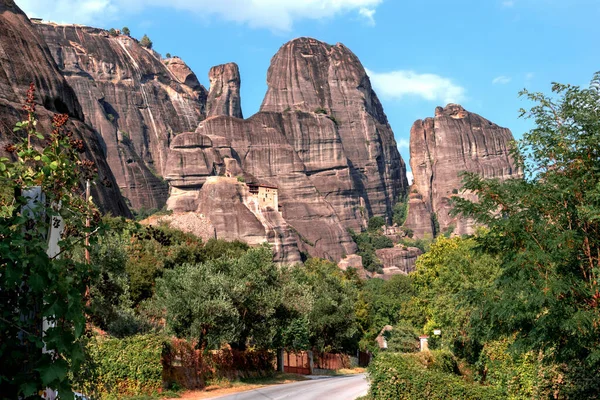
column 323, row 388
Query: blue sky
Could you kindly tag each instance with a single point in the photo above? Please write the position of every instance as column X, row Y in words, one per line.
column 419, row 54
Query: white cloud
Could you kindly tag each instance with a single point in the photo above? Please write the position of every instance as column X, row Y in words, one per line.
column 403, row 144
column 501, row 80
column 368, row 14
column 508, row 3
column 278, row 15
column 410, row 177
column 402, row 83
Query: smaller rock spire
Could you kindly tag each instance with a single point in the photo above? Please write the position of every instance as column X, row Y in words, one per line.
column 224, row 94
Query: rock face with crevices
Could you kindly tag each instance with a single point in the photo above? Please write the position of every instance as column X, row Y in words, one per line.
column 136, row 101
column 236, row 215
column 398, row 260
column 366, row 175
column 442, row 147
column 224, row 95
column 321, row 138
column 25, row 58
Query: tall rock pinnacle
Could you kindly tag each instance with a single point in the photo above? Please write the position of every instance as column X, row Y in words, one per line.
column 310, row 76
column 442, row 147
column 224, row 93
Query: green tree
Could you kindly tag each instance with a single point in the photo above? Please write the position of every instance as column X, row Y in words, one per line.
column 545, row 229
column 332, row 318
column 146, row 42
column 223, row 301
column 382, row 303
column 34, row 285
column 168, row 55
column 112, row 32
column 451, row 280
column 126, row 31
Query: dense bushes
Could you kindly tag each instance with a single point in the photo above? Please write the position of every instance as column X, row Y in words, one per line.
column 122, row 367
column 422, row 376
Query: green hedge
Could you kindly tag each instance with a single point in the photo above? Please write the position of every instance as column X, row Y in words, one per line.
column 429, row 375
column 122, row 367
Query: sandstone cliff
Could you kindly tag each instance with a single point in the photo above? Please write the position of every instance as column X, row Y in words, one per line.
column 442, row 147
column 224, row 95
column 133, row 98
column 25, row 58
column 365, row 172
column 321, row 138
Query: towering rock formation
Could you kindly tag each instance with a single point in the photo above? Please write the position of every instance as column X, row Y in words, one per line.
column 321, row 138
column 133, row 98
column 25, row 58
column 442, row 147
column 224, row 95
column 311, row 78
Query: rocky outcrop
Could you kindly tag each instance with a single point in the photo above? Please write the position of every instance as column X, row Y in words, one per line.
column 321, row 138
column 190, row 222
column 25, row 58
column 442, row 147
column 260, row 153
column 398, row 260
column 224, row 95
column 133, row 98
column 237, row 215
column 354, row 261
column 348, row 142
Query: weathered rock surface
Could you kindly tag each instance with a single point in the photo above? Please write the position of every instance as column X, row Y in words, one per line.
column 190, row 222
column 224, row 95
column 236, row 215
column 442, row 147
column 354, row 261
column 133, row 98
column 260, row 153
column 329, row 83
column 25, row 58
column 398, row 260
column 321, row 137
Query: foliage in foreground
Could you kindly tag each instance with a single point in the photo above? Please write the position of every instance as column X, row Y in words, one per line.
column 430, row 375
column 34, row 285
column 122, row 367
column 545, row 232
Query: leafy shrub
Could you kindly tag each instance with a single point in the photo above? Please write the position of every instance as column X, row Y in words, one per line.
column 112, row 32
column 400, row 211
column 370, row 241
column 122, row 367
column 419, row 376
column 168, row 55
column 404, row 338
column 320, row 110
column 376, row 223
column 126, row 31
column 520, row 376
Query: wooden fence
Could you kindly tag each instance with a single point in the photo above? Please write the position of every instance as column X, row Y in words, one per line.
column 332, row 361
column 297, row 362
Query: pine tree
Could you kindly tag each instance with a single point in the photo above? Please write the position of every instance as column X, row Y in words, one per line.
column 146, row 42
